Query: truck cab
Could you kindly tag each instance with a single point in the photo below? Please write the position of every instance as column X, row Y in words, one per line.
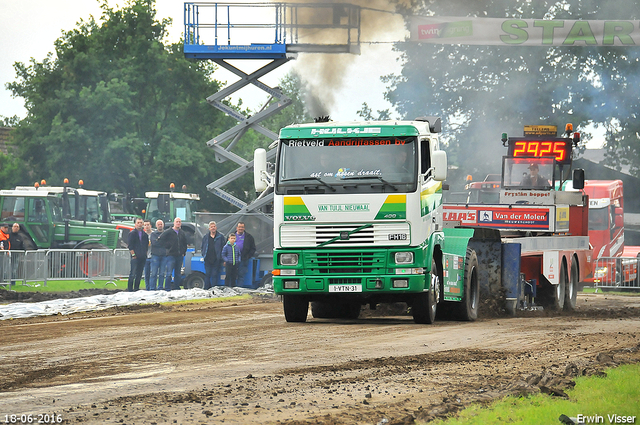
column 357, row 220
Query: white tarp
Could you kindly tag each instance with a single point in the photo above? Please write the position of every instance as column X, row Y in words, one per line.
column 524, row 32
column 101, row 302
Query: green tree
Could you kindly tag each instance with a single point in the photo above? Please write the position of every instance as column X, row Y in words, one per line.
column 483, row 91
column 119, row 109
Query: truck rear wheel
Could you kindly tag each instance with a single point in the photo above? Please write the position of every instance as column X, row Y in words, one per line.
column 467, row 310
column 571, row 292
column 295, row 308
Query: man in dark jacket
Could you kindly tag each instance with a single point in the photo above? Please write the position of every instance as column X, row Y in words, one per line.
column 212, row 245
column 174, row 240
column 157, row 255
column 247, row 246
column 138, row 243
column 15, row 239
column 16, row 244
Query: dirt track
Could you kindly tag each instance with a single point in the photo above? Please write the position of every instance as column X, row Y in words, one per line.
column 239, row 362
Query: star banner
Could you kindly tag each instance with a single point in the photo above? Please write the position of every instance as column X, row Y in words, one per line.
column 524, row 32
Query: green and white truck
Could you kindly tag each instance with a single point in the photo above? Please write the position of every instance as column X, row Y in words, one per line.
column 358, row 220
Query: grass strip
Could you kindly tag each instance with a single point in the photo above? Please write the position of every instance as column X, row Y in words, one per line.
column 606, row 400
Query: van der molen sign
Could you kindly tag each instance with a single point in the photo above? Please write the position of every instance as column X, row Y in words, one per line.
column 524, row 32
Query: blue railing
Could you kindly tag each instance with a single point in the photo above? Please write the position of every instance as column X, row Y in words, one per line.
column 265, row 29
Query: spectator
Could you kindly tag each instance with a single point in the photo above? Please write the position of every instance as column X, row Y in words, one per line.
column 247, row 246
column 15, row 240
column 175, row 242
column 138, row 244
column 212, row 245
column 158, row 252
column 15, row 244
column 231, row 257
column 5, row 244
column 147, row 265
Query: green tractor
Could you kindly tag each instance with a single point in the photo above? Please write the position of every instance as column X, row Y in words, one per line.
column 46, row 219
column 166, row 206
column 86, row 208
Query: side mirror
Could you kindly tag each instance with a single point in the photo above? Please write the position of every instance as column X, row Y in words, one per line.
column 439, row 165
column 578, row 178
column 619, row 220
column 259, row 168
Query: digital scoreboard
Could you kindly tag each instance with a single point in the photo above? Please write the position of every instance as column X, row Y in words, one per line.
column 558, row 148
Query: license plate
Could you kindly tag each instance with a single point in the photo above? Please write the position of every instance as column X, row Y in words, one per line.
column 345, row 288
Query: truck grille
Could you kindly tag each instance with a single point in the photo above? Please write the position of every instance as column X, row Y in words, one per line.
column 379, row 234
column 321, row 263
column 345, row 281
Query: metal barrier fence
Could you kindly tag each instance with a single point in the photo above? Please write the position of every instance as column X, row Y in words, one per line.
column 5, row 268
column 25, row 267
column 616, row 273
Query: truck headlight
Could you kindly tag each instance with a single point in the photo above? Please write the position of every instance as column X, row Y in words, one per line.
column 289, row 259
column 600, row 272
column 404, row 257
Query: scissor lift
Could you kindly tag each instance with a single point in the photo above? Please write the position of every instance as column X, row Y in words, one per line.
column 261, row 31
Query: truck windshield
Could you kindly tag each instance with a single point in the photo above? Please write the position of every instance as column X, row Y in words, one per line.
column 347, row 165
column 598, row 218
column 528, row 173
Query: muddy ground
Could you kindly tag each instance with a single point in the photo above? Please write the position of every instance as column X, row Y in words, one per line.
column 239, row 362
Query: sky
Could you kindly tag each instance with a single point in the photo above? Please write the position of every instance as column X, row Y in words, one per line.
column 28, row 29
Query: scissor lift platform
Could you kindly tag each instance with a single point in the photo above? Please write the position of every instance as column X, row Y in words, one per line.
column 261, row 31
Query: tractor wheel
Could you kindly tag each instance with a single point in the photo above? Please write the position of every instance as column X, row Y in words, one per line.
column 295, row 308
column 90, row 265
column 571, row 292
column 467, row 310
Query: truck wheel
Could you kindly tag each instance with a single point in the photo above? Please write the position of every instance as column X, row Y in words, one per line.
column 467, row 310
column 571, row 292
column 295, row 308
column 194, row 280
column 424, row 306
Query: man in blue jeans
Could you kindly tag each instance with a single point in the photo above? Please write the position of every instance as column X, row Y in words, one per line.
column 212, row 245
column 146, row 226
column 158, row 253
column 174, row 241
column 138, row 243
